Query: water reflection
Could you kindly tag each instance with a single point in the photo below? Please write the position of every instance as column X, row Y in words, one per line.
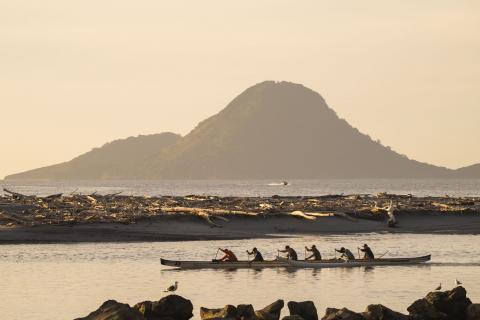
column 82, row 276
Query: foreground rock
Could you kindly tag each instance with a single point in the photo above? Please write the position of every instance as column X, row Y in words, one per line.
column 228, row 312
column 271, row 312
column 243, row 312
column 113, row 310
column 473, row 312
column 305, row 310
column 170, row 307
column 341, row 314
column 448, row 305
column 380, row 312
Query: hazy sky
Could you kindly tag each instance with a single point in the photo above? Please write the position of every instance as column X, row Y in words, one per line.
column 76, row 74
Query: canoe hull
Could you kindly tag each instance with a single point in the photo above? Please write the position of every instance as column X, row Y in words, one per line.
column 223, row 264
column 359, row 262
column 284, row 263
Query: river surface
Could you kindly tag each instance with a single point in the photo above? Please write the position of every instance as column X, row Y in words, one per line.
column 264, row 188
column 65, row 281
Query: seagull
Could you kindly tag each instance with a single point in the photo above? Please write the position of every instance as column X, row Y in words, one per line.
column 457, row 283
column 439, row 287
column 172, row 288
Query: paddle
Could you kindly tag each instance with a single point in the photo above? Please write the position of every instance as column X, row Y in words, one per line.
column 382, row 255
column 216, row 254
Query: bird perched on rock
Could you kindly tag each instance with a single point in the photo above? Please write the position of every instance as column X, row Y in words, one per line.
column 457, row 283
column 439, row 287
column 172, row 288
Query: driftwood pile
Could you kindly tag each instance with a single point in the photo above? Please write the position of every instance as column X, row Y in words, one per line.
column 66, row 209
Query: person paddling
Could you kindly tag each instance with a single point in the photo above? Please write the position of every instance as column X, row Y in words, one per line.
column 257, row 255
column 291, row 253
column 315, row 253
column 368, row 252
column 346, row 253
column 229, row 255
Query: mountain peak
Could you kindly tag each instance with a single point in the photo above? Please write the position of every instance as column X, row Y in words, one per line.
column 272, row 130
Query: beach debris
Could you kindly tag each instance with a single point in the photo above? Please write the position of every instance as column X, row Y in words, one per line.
column 75, row 208
column 390, row 210
column 457, row 283
column 439, row 287
column 300, row 214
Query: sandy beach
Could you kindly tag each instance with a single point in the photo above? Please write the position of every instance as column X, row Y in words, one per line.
column 113, row 218
column 193, row 228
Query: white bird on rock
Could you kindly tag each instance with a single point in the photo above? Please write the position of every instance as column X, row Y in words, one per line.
column 457, row 283
column 172, row 288
column 439, row 287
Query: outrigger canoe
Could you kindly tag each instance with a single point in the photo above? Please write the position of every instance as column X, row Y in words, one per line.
column 285, row 263
column 358, row 262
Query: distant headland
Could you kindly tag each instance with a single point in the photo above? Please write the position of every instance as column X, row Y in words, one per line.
column 273, row 130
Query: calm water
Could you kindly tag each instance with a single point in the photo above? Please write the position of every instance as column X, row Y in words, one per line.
column 70, row 280
column 417, row 187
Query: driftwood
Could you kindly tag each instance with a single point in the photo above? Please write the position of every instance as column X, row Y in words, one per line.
column 20, row 209
column 14, row 194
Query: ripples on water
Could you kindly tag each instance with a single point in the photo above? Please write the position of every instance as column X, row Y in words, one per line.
column 418, row 187
column 70, row 280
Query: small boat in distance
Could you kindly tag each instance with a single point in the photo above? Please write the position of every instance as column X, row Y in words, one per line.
column 285, row 263
column 283, row 183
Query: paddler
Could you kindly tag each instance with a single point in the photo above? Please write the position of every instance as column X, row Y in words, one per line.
column 346, row 253
column 368, row 252
column 229, row 255
column 315, row 253
column 257, row 255
column 291, row 253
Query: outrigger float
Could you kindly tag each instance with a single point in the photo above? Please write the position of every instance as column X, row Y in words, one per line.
column 285, row 263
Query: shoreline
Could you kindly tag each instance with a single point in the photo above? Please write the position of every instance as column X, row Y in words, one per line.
column 115, row 218
column 192, row 229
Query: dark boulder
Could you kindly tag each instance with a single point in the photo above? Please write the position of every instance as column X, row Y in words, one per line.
column 245, row 312
column 171, row 307
column 113, row 310
column 473, row 312
column 270, row 312
column 293, row 317
column 228, row 312
column 380, row 312
column 447, row 305
column 341, row 314
column 305, row 309
column 425, row 310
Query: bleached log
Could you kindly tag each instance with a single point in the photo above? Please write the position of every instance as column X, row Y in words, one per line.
column 207, row 218
column 300, row 214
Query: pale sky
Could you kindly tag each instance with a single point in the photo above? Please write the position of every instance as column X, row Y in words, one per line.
column 76, row 74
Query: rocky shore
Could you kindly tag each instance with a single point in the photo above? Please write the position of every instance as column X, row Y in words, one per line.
column 447, row 305
column 115, row 217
